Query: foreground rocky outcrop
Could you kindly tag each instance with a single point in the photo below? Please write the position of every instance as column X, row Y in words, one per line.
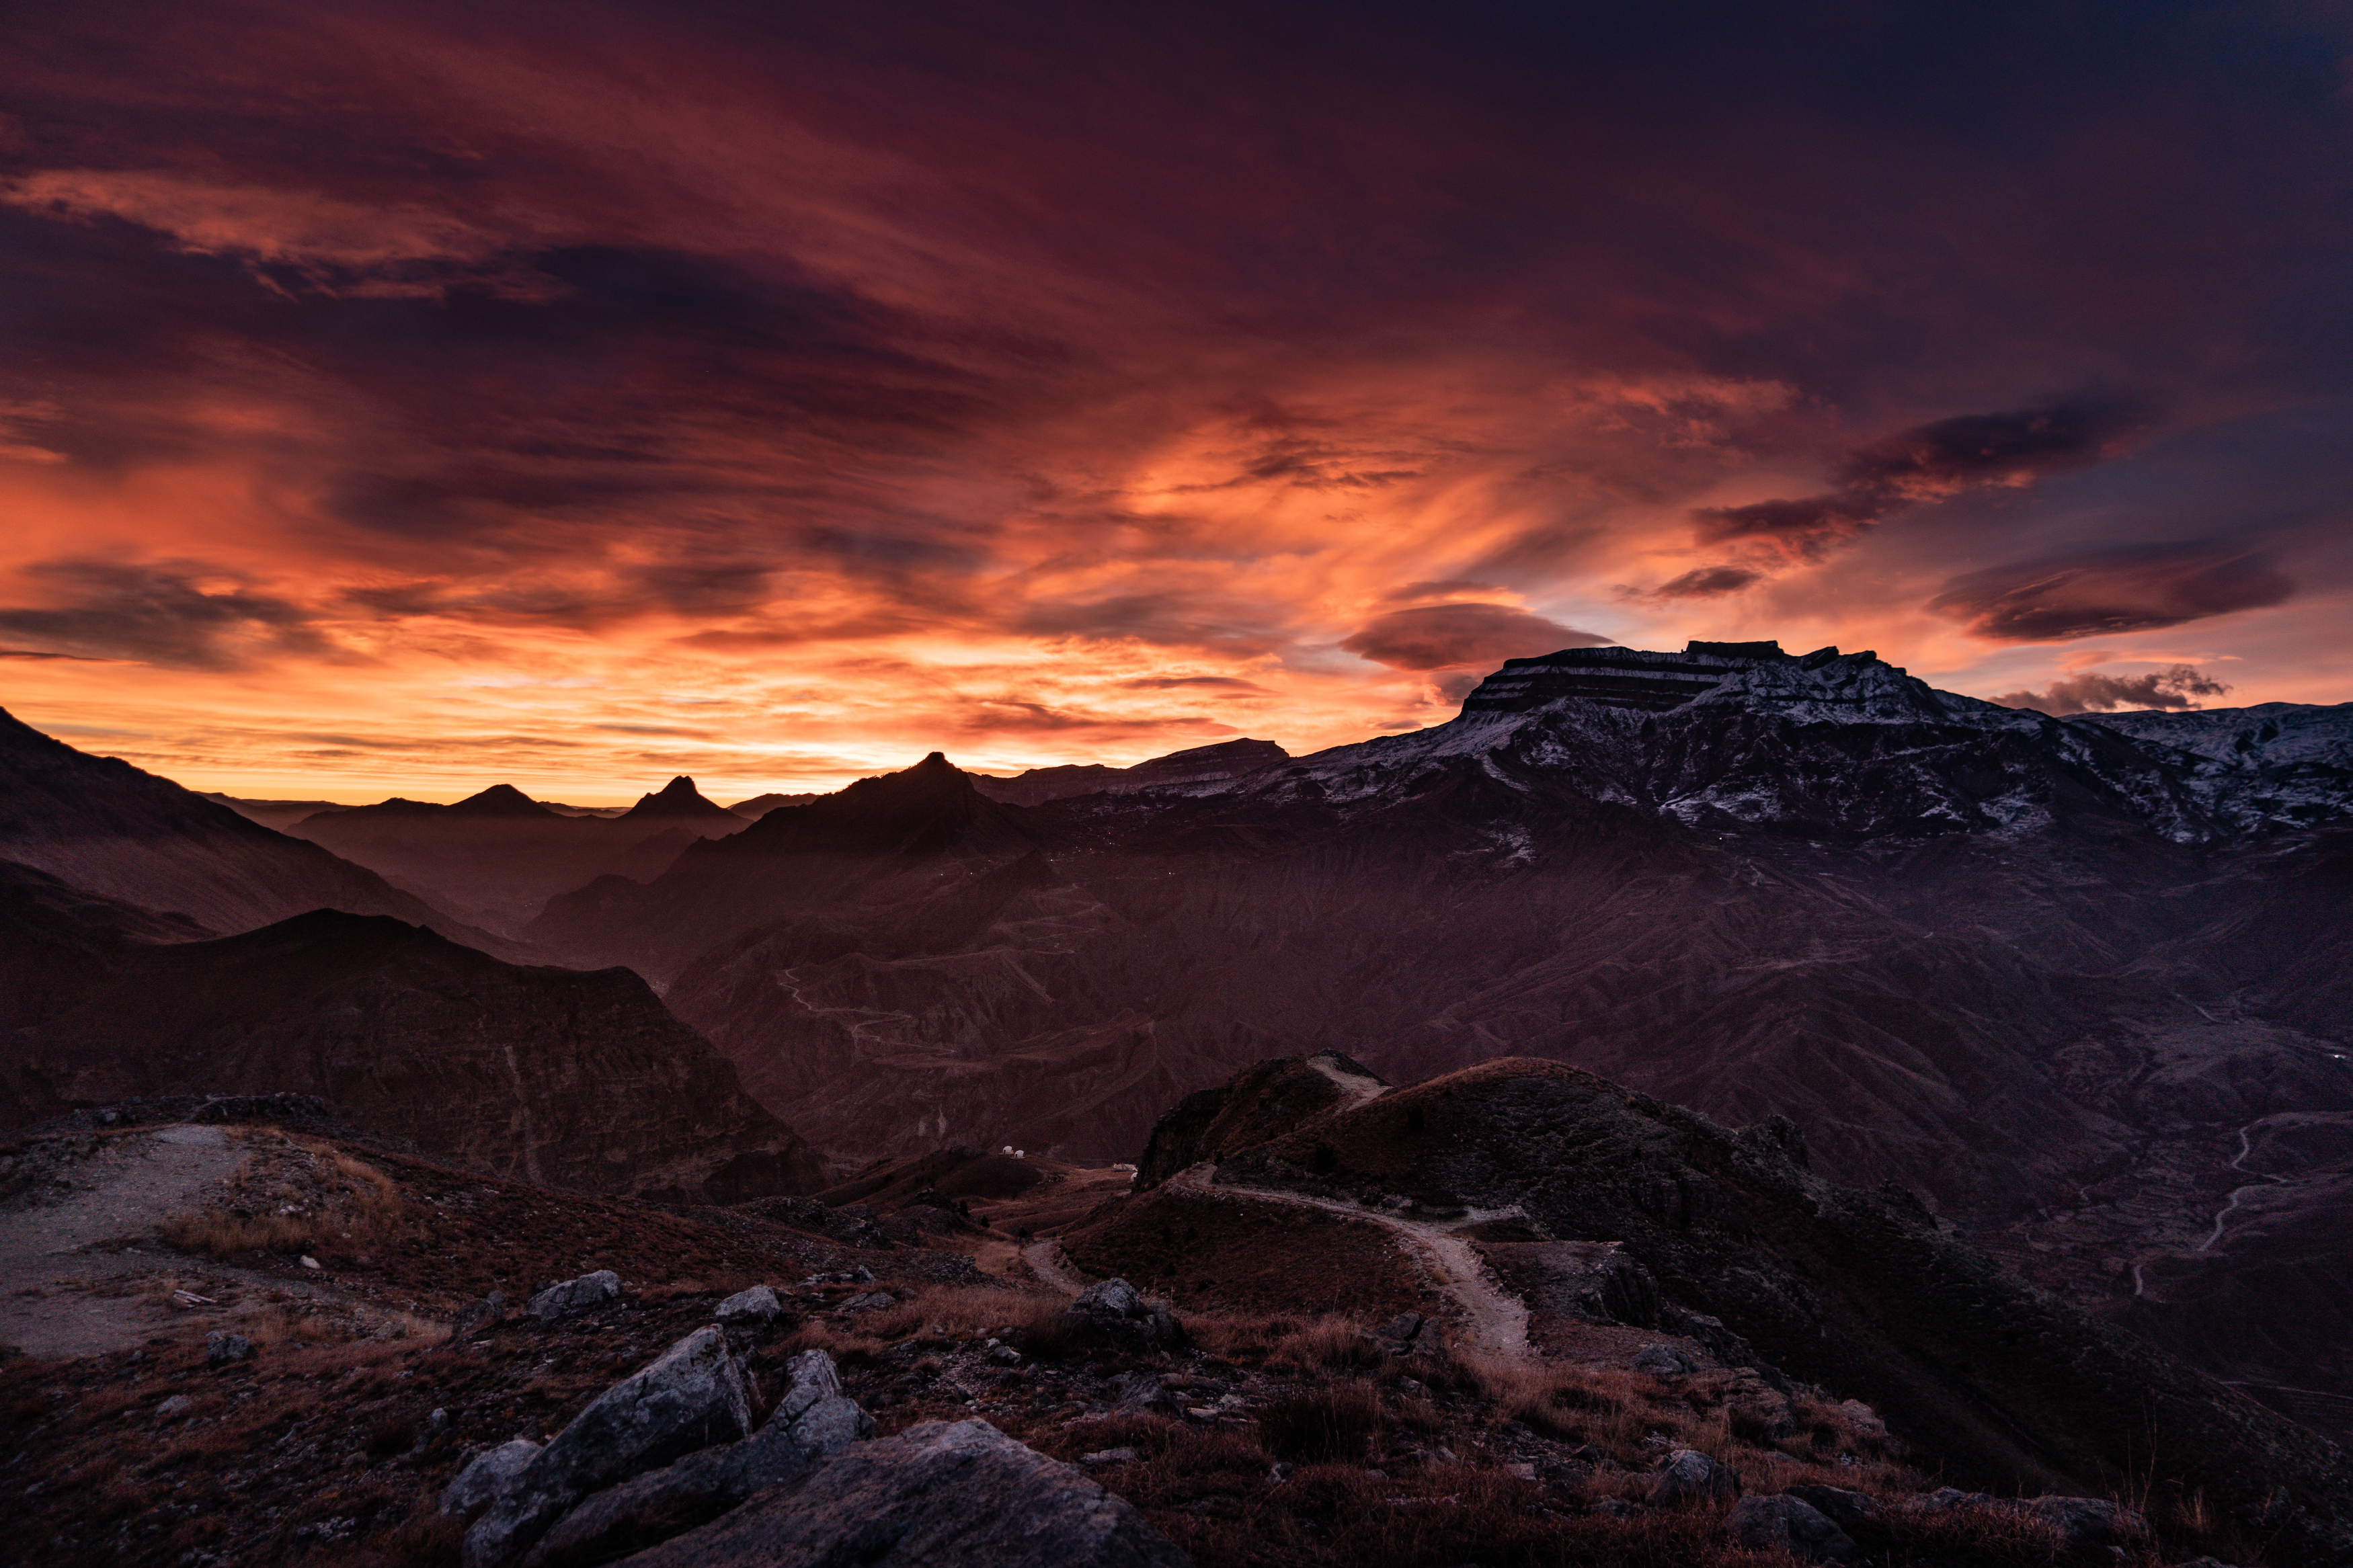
column 665, row 1467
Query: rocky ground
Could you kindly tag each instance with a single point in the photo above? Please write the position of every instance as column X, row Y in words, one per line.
column 376, row 1372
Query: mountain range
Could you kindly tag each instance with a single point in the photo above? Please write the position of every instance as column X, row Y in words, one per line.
column 2081, row 983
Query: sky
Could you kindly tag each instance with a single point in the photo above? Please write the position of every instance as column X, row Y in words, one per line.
column 401, row 398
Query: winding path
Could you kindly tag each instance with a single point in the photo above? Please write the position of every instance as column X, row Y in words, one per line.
column 1046, row 1260
column 1497, row 1319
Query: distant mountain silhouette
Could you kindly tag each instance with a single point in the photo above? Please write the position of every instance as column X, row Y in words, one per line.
column 105, row 827
column 497, row 857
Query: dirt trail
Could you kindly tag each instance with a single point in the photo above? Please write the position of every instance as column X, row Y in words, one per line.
column 1498, row 1320
column 1046, row 1261
column 50, row 1307
column 1360, row 1087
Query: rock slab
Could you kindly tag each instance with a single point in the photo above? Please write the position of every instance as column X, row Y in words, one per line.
column 936, row 1496
column 1786, row 1524
column 570, row 1295
column 690, row 1396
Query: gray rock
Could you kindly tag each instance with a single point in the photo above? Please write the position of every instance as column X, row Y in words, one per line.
column 1690, row 1476
column 221, row 1348
column 878, row 1504
column 814, row 1412
column 689, row 1397
column 746, row 1307
column 1102, row 1458
column 560, row 1300
column 1663, row 1360
column 1142, row 1392
column 647, row 1509
column 1113, row 1309
column 174, row 1406
column 1848, row 1511
column 2088, row 1521
column 1786, row 1524
column 479, row 1316
column 870, row 1301
column 487, row 1475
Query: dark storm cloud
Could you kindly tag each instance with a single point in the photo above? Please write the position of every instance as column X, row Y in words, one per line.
column 1706, row 583
column 1437, row 637
column 2178, row 688
column 1928, row 463
column 2137, row 588
column 178, row 614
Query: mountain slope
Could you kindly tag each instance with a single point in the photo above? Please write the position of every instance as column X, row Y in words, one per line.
column 2008, row 1388
column 580, row 1080
column 106, row 828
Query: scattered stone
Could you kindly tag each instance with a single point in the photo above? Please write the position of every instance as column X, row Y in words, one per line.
column 1005, row 1355
column 1113, row 1309
column 1845, row 1508
column 221, row 1348
column 1862, row 1418
column 1788, row 1524
column 1103, row 1458
column 877, row 1505
column 174, row 1406
column 757, row 1305
column 1521, row 1472
column 689, row 1397
column 1663, row 1360
column 1617, row 1507
column 570, row 1295
column 869, row 1300
column 486, row 1476
column 1143, row 1393
column 1691, row 1476
column 477, row 1316
column 309, row 1261
column 2088, row 1521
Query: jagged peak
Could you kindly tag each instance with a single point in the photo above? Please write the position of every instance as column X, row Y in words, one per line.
column 676, row 798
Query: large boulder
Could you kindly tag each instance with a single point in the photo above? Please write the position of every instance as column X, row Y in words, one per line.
column 487, row 1475
column 1690, row 1476
column 937, row 1494
column 566, row 1297
column 1786, row 1524
column 648, row 1510
column 814, row 1412
column 748, row 1309
column 1115, row 1312
column 690, row 1396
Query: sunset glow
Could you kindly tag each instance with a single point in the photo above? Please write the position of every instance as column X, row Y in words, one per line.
column 402, row 398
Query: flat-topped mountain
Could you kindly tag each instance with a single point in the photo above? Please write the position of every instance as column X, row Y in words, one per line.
column 1192, row 768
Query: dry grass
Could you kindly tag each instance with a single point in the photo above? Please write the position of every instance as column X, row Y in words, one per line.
column 360, row 1210
column 1334, row 1420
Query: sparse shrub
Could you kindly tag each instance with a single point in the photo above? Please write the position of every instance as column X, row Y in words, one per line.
column 1329, row 1342
column 1328, row 1421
